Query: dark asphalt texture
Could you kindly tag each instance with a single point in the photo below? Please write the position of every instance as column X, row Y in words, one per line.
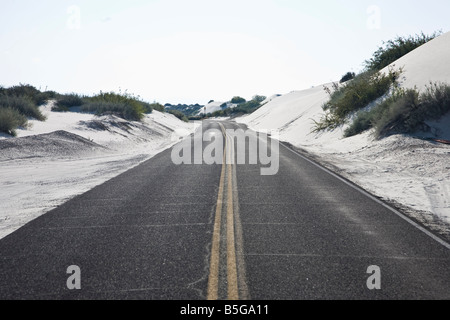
column 147, row 233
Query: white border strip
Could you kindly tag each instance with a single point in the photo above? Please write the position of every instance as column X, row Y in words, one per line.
column 364, row 192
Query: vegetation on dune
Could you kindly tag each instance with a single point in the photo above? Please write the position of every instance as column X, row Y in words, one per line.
column 180, row 115
column 18, row 104
column 188, row 109
column 124, row 105
column 238, row 100
column 23, row 104
column 373, row 99
column 241, row 108
column 347, row 77
column 249, row 106
column 25, row 90
column 405, row 111
column 67, row 101
column 155, row 106
column 393, row 50
column 10, row 120
column 353, row 96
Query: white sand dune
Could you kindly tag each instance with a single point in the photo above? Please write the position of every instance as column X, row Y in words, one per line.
column 215, row 106
column 211, row 107
column 411, row 172
column 71, row 153
column 428, row 63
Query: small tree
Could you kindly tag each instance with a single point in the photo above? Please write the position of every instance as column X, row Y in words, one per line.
column 238, row 100
column 348, row 76
column 259, row 98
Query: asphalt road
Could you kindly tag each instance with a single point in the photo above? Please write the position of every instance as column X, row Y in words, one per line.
column 163, row 231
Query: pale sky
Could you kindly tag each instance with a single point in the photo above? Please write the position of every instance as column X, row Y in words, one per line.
column 193, row 51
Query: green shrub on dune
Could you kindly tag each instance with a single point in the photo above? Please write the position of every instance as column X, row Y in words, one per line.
column 125, row 105
column 405, row 111
column 10, row 120
column 373, row 99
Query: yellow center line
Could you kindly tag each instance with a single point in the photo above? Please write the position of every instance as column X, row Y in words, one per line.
column 233, row 293
column 213, row 281
column 231, row 263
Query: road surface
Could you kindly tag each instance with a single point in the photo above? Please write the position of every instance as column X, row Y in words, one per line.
column 165, row 231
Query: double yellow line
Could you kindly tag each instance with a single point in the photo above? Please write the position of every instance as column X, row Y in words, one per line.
column 225, row 199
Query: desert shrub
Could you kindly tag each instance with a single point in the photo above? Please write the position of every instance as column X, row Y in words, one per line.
column 25, row 90
column 23, row 104
column 357, row 94
column 395, row 49
column 348, row 76
column 354, row 95
column 247, row 107
column 180, row 115
column 365, row 119
column 259, row 98
column 409, row 113
column 50, row 94
column 197, row 118
column 405, row 111
column 121, row 110
column 329, row 121
column 156, row 106
column 190, row 110
column 17, row 104
column 44, row 97
column 397, row 115
column 123, row 105
column 10, row 120
column 238, row 100
column 362, row 123
column 435, row 101
column 67, row 101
